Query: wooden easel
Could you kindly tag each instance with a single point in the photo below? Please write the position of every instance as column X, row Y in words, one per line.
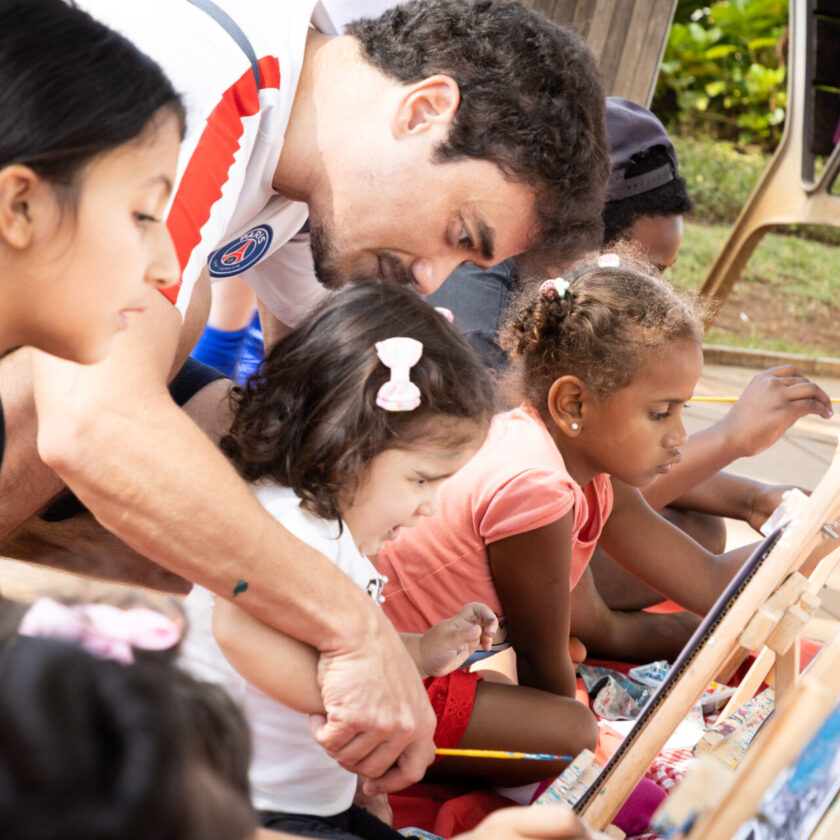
column 713, row 644
column 776, row 626
column 781, row 741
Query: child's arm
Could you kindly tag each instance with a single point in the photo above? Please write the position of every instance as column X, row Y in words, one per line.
column 734, row 496
column 286, row 669
column 531, row 575
column 663, row 556
column 448, row 644
column 770, row 404
column 628, row 636
column 282, row 667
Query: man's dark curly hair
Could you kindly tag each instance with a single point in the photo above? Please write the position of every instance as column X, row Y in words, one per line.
column 670, row 199
column 309, row 420
column 532, row 103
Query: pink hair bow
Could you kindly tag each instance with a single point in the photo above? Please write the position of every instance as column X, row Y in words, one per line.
column 400, row 355
column 558, row 286
column 101, row 629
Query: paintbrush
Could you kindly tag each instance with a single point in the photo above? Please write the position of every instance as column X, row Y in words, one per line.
column 501, row 754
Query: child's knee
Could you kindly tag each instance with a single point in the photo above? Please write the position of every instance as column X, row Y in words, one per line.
column 579, row 729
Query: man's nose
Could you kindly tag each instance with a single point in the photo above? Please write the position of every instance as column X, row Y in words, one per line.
column 429, row 274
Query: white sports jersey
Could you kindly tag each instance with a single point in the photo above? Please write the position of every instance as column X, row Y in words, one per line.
column 289, row 771
column 224, row 207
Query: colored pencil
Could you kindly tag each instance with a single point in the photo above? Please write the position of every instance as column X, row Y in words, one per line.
column 501, row 754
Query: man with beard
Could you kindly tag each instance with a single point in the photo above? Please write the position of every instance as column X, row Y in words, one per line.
column 441, row 132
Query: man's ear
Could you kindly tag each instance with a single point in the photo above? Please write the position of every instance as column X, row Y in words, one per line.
column 19, row 186
column 565, row 398
column 424, row 104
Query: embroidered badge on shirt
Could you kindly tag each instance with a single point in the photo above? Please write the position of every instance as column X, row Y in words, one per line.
column 240, row 254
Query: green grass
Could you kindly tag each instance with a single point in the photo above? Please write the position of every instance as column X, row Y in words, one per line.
column 800, row 269
column 800, row 278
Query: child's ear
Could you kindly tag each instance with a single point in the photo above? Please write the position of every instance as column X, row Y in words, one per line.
column 19, row 188
column 425, row 104
column 564, row 404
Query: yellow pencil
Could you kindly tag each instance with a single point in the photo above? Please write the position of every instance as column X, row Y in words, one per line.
column 733, row 399
column 501, row 754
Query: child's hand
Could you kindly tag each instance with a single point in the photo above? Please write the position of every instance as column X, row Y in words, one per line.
column 448, row 644
column 374, row 803
column 539, row 822
column 765, row 500
column 770, row 404
column 577, row 650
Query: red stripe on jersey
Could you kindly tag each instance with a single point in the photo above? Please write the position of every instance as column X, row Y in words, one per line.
column 207, row 171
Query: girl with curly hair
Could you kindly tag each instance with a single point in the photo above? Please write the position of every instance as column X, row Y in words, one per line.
column 605, row 361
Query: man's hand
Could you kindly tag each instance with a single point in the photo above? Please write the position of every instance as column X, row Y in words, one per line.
column 448, row 644
column 539, row 822
column 770, row 404
column 379, row 722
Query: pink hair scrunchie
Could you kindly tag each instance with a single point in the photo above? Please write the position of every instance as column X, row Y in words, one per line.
column 557, row 286
column 101, row 629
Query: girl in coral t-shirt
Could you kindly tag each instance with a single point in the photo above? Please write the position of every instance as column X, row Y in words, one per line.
column 607, row 358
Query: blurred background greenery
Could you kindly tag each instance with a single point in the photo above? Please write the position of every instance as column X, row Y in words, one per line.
column 722, row 94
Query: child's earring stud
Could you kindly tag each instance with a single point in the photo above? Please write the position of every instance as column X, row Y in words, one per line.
column 575, row 427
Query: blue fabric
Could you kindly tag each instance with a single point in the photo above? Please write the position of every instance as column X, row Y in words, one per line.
column 251, row 351
column 219, row 349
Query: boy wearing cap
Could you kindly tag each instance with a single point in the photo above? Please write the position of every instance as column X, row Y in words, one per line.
column 646, row 197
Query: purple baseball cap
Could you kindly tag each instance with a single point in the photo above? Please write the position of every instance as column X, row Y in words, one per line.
column 632, row 129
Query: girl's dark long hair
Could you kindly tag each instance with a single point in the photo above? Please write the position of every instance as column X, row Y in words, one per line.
column 308, row 419
column 94, row 749
column 71, row 88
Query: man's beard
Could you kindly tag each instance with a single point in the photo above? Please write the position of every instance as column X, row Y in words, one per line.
column 327, row 261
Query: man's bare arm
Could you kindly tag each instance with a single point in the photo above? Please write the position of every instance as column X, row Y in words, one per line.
column 80, row 545
column 151, row 476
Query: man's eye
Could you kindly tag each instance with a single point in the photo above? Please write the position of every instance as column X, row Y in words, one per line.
column 465, row 239
column 659, row 415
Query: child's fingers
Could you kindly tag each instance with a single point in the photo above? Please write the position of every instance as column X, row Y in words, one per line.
column 482, row 615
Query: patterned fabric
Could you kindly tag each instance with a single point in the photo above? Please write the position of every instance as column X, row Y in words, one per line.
column 668, row 768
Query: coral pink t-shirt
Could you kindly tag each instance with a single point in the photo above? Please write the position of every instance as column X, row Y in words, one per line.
column 517, row 482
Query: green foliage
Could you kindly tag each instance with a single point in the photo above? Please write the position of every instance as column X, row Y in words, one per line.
column 722, row 73
column 719, row 177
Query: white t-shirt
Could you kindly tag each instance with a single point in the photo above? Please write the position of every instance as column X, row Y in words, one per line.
column 224, row 207
column 289, row 772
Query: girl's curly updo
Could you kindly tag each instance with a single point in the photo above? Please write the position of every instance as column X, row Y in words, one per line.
column 601, row 330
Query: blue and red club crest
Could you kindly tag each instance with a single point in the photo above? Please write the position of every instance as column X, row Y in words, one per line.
column 240, row 254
